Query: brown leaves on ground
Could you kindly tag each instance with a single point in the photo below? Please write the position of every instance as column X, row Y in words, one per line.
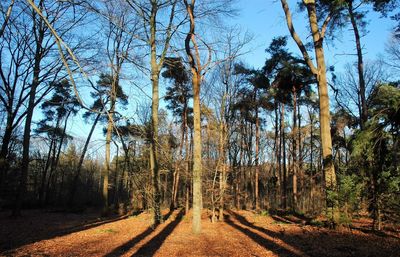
column 243, row 233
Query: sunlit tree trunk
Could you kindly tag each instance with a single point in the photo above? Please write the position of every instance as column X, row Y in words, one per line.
column 196, row 69
column 295, row 150
column 156, row 62
column 320, row 73
column 154, row 117
column 257, row 171
column 283, row 147
column 176, row 175
column 222, row 159
column 278, row 187
column 107, row 164
column 197, row 165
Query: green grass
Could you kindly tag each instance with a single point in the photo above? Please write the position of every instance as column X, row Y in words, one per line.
column 109, row 230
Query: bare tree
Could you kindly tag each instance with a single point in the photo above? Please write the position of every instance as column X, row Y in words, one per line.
column 157, row 36
column 44, row 68
column 348, row 91
column 6, row 16
column 118, row 47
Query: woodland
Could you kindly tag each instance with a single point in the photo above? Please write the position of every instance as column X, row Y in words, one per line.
column 139, row 128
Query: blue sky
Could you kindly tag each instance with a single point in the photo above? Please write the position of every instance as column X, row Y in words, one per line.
column 265, row 20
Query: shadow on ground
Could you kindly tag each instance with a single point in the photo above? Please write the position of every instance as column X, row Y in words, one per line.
column 313, row 242
column 44, row 226
column 154, row 244
column 247, row 228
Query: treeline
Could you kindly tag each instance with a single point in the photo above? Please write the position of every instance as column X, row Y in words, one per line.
column 214, row 132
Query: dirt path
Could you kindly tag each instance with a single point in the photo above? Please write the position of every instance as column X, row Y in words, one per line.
column 242, row 234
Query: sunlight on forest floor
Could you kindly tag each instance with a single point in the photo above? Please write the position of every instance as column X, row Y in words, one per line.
column 242, row 234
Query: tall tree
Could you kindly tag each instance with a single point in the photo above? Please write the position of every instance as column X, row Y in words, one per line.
column 158, row 36
column 43, row 16
column 291, row 77
column 57, row 111
column 252, row 102
column 178, row 97
column 351, row 11
column 118, row 49
column 319, row 70
column 198, row 71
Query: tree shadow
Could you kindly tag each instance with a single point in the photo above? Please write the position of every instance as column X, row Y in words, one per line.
column 379, row 233
column 318, row 242
column 130, row 244
column 151, row 247
column 44, row 233
column 264, row 242
column 290, row 217
column 286, row 217
column 279, row 219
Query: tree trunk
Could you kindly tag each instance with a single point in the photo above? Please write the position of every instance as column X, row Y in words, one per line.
column 360, row 66
column 320, row 74
column 188, row 161
column 295, row 151
column 81, row 159
column 4, row 165
column 25, row 150
column 324, row 117
column 175, row 185
column 197, row 165
column 46, row 168
column 239, row 175
column 284, row 170
column 196, row 70
column 222, row 157
column 277, row 155
column 154, row 152
column 56, row 156
column 257, row 172
column 28, row 120
column 107, row 164
column 155, row 72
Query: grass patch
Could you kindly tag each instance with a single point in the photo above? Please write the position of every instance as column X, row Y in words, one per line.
column 109, row 230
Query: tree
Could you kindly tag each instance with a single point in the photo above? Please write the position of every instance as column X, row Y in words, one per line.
column 178, row 97
column 40, row 71
column 223, row 92
column 109, row 84
column 348, row 96
column 392, row 49
column 57, row 110
column 158, row 36
column 6, row 15
column 196, row 69
column 349, row 11
column 377, row 149
column 252, row 101
column 319, row 71
column 118, row 47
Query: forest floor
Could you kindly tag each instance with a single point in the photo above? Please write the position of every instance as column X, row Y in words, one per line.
column 243, row 233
